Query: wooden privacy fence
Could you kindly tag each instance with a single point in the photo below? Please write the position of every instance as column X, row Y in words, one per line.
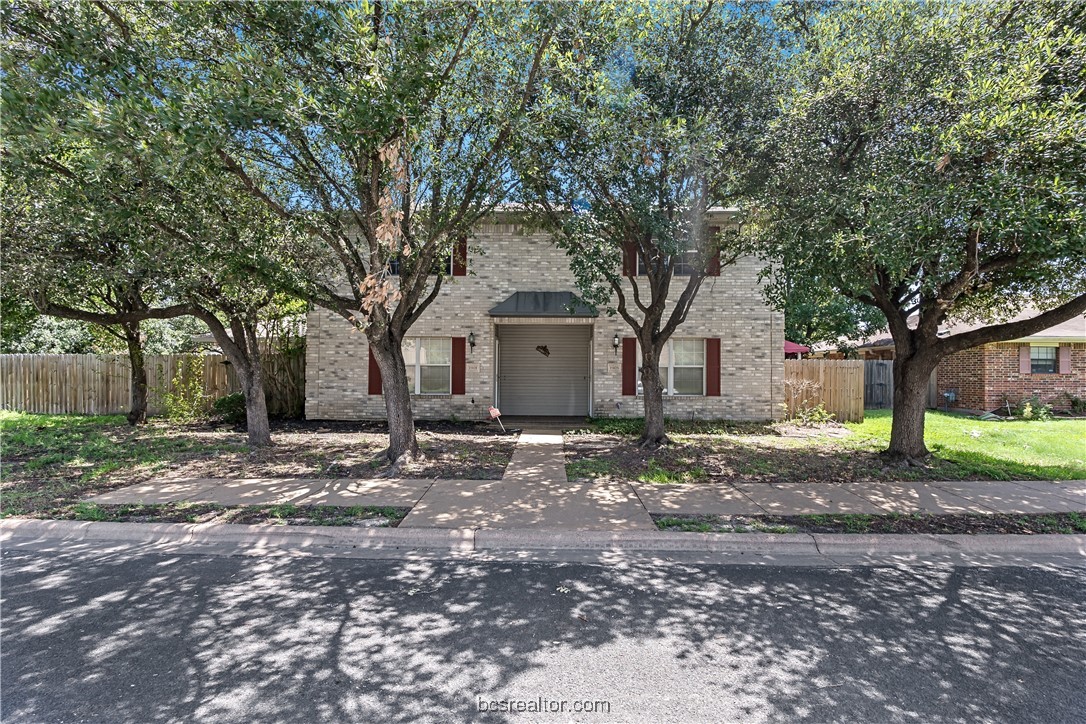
column 878, row 383
column 97, row 384
column 838, row 384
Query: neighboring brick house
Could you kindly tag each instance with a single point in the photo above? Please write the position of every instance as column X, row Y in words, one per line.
column 500, row 333
column 1050, row 365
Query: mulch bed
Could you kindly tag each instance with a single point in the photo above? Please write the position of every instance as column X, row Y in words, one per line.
column 341, row 449
column 794, row 455
column 971, row 524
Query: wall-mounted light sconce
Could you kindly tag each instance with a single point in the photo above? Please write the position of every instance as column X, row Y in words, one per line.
column 471, row 340
column 616, row 343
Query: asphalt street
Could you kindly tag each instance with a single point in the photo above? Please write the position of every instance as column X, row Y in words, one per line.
column 151, row 637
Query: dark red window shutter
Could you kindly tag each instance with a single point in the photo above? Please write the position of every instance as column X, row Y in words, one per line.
column 629, row 259
column 1025, row 367
column 1065, row 359
column 712, row 367
column 629, row 366
column 459, row 365
column 713, row 268
column 460, row 257
column 375, row 376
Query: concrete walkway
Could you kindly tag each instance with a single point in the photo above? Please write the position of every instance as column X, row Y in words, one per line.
column 534, row 493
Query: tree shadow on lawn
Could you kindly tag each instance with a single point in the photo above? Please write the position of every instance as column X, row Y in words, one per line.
column 766, row 459
column 51, row 462
column 288, row 639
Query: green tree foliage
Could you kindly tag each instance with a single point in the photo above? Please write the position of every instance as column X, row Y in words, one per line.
column 68, row 251
column 929, row 162
column 815, row 313
column 381, row 128
column 116, row 207
column 645, row 124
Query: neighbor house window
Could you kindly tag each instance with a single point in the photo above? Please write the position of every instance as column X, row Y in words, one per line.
column 1042, row 360
column 429, row 365
column 682, row 367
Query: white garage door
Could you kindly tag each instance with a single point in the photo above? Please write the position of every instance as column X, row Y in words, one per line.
column 544, row 370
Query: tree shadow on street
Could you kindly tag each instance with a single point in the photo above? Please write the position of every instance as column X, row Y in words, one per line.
column 163, row 637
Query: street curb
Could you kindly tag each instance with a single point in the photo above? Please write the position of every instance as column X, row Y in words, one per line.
column 782, row 545
column 995, row 544
column 301, row 536
column 646, row 541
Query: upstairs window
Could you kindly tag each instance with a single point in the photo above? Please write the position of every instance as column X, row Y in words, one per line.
column 685, row 263
column 439, row 267
column 1043, row 360
column 429, row 365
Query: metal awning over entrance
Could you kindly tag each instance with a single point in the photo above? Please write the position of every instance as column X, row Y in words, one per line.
column 543, row 304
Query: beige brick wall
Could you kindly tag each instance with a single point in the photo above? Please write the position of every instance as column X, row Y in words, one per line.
column 729, row 306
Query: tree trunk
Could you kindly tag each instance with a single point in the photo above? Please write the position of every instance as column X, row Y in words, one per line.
column 911, row 375
column 251, row 377
column 256, row 405
column 402, row 443
column 243, row 351
column 654, row 434
column 137, row 413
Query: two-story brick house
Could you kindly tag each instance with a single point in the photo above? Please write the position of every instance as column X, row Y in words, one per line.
column 501, row 333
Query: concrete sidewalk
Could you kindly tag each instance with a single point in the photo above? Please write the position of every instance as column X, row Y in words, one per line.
column 392, row 492
column 535, row 494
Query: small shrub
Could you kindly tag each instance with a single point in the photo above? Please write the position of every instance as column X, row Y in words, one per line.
column 1032, row 409
column 230, row 408
column 185, row 400
column 817, row 415
column 1077, row 405
column 631, row 426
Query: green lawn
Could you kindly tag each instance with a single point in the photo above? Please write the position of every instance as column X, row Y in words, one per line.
column 719, row 451
column 50, row 461
column 1001, row 449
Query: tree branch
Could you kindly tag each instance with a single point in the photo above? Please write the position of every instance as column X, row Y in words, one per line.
column 1013, row 330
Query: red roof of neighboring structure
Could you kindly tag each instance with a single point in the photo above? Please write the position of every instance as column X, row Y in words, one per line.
column 793, row 348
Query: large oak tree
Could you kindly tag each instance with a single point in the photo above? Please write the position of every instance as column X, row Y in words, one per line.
column 646, row 123
column 381, row 128
column 929, row 162
column 123, row 204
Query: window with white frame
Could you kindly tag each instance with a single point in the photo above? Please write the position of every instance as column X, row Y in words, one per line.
column 429, row 365
column 1042, row 360
column 682, row 367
